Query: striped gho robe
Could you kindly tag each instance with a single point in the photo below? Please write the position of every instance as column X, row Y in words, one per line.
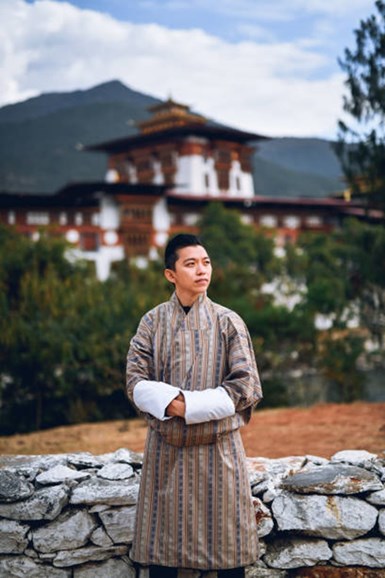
column 195, row 507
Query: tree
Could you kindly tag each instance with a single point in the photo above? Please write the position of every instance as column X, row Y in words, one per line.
column 34, row 284
column 361, row 146
column 229, row 241
column 339, row 355
column 63, row 335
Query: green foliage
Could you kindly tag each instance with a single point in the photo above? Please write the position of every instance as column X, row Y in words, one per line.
column 338, row 358
column 361, row 146
column 230, row 242
column 64, row 334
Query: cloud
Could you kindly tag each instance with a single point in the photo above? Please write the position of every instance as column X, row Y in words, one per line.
column 270, row 88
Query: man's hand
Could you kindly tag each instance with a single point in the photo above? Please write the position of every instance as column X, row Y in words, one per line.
column 177, row 408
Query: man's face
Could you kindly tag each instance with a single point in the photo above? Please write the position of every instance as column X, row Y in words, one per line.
column 192, row 273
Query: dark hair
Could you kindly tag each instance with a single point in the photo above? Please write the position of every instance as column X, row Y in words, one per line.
column 178, row 242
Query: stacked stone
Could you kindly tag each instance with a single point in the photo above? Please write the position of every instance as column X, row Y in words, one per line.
column 72, row 515
column 68, row 516
column 313, row 512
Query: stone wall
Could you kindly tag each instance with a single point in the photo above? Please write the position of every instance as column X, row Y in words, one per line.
column 72, row 516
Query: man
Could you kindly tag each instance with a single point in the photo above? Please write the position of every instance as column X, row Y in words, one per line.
column 191, row 370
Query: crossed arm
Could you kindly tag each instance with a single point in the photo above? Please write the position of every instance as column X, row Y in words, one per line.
column 177, row 408
column 239, row 390
column 165, row 401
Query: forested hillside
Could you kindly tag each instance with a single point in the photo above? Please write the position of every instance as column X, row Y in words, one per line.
column 42, row 140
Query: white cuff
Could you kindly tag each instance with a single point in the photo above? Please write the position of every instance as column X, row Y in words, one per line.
column 207, row 405
column 154, row 396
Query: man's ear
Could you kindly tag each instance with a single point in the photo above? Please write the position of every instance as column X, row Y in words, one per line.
column 170, row 275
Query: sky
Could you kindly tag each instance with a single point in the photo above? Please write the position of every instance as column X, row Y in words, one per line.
column 266, row 66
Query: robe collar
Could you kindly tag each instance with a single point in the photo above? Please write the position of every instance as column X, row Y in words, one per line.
column 197, row 303
column 197, row 317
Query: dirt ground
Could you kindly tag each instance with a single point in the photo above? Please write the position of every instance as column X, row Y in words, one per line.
column 320, row 430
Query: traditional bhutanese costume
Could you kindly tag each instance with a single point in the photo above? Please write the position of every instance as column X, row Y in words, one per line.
column 195, row 507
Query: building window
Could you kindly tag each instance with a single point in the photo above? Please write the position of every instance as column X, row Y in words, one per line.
column 291, row 222
column 137, row 243
column 89, row 241
column 167, row 160
column 62, row 218
column 247, row 219
column 37, row 218
column 223, row 180
column 144, row 165
column 95, row 219
column 268, row 221
column 313, row 221
column 72, row 236
column 224, row 156
column 78, row 219
column 11, row 218
column 138, row 214
column 190, row 219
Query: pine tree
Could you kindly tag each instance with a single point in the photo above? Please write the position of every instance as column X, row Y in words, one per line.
column 361, row 144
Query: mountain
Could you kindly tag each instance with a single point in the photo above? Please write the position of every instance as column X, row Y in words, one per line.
column 41, row 142
column 296, row 167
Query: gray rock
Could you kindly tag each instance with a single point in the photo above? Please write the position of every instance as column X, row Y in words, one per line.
column 261, row 487
column 31, row 553
column 59, row 474
column 381, row 521
column 114, row 568
column 123, row 455
column 262, row 551
column 69, row 531
column 255, row 572
column 44, row 504
column 119, row 524
column 98, row 491
column 13, row 537
column 364, row 552
column 116, row 471
column 100, row 538
column 332, row 479
column 271, row 493
column 89, row 554
column 98, row 508
column 294, row 553
column 260, row 469
column 377, row 498
column 316, row 460
column 31, row 466
column 13, row 487
column 332, row 517
column 265, row 475
column 265, row 522
column 47, row 556
column 82, row 460
column 355, row 457
column 24, row 567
